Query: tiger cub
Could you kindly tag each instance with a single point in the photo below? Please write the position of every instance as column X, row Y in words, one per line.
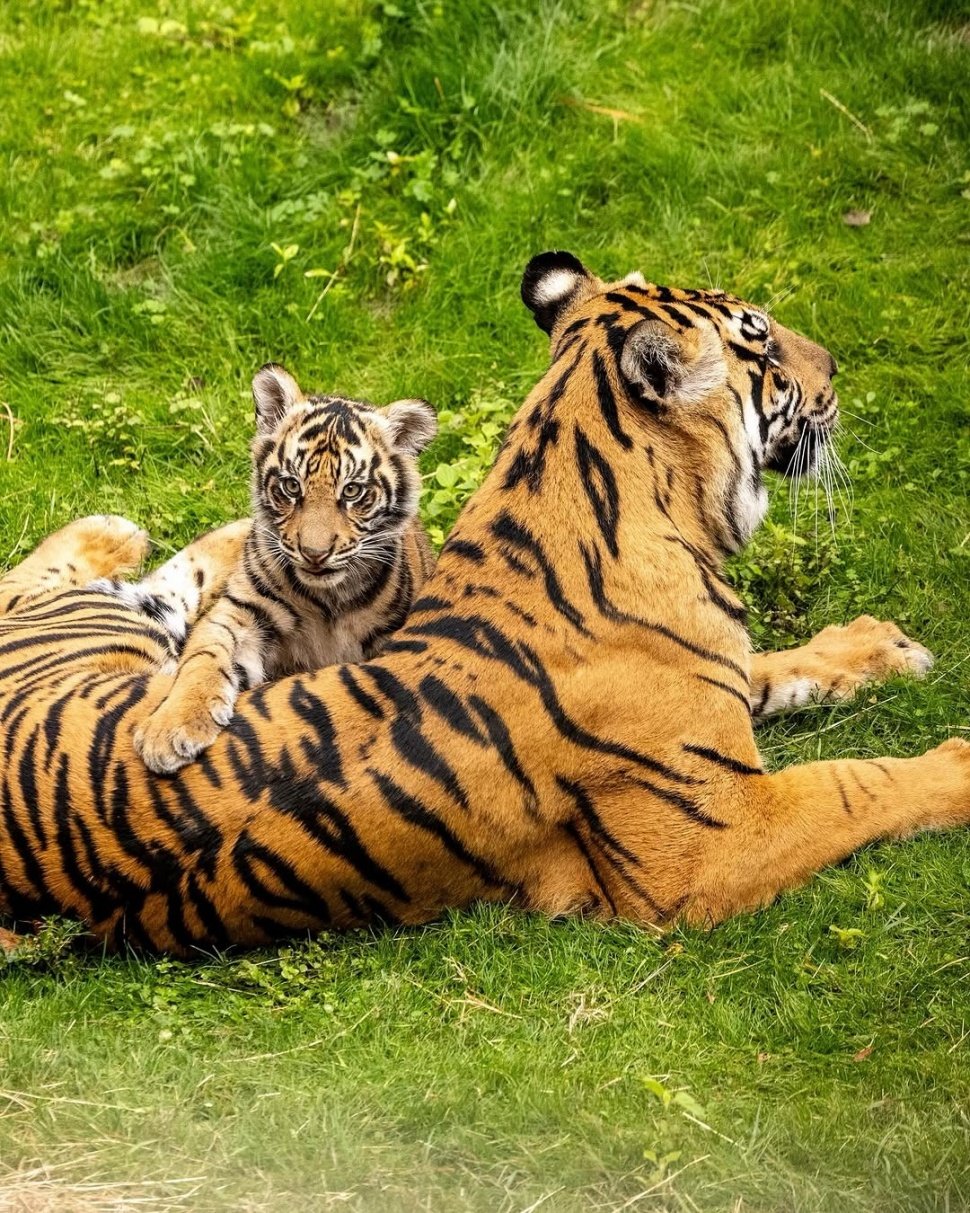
column 330, row 566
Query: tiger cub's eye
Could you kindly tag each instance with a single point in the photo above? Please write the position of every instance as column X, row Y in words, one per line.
column 352, row 492
column 289, row 486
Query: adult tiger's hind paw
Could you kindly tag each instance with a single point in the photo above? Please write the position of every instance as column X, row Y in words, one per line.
column 101, row 545
column 171, row 737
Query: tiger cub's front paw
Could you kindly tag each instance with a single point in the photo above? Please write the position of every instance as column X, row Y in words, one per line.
column 176, row 733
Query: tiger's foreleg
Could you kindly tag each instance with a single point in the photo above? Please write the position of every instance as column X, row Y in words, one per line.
column 101, row 545
column 806, row 817
column 224, row 653
column 834, row 665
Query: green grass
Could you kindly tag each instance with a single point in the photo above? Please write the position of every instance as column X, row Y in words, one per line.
column 156, row 156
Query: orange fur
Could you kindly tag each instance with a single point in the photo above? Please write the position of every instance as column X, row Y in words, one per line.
column 562, row 722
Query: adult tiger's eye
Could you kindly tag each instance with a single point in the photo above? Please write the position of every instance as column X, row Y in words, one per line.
column 289, row 486
column 352, row 492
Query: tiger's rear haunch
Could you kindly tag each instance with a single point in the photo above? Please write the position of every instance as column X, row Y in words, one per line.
column 564, row 720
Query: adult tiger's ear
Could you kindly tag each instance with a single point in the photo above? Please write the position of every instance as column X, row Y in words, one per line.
column 552, row 282
column 275, row 392
column 663, row 366
column 413, row 424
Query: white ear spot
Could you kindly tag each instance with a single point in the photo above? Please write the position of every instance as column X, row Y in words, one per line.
column 634, row 279
column 556, row 285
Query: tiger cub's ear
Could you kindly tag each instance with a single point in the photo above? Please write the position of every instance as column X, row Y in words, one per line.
column 551, row 283
column 663, row 366
column 413, row 424
column 275, row 392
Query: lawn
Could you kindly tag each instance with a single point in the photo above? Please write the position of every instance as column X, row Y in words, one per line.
column 353, row 189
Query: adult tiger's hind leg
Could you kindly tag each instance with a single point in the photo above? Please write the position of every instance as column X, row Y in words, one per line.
column 101, row 545
column 184, row 587
column 804, row 818
column 834, row 665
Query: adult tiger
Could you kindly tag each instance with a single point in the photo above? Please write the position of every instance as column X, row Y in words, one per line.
column 564, row 720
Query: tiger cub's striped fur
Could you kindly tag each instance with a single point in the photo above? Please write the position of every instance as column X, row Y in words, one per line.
column 329, row 568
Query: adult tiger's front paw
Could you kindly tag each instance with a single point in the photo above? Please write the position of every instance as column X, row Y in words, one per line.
column 868, row 650
column 947, row 782
column 175, row 735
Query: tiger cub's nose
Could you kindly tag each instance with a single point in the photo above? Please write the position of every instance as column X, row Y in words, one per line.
column 316, row 557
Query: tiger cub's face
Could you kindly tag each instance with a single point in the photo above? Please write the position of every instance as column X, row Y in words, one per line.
column 334, row 480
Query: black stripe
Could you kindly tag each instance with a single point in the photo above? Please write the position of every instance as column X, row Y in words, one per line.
column 572, row 830
column 501, row 739
column 677, row 315
column 530, row 465
column 734, row 610
column 300, row 799
column 845, row 799
column 261, row 618
column 103, row 740
column 614, row 852
column 480, row 636
column 464, row 547
column 722, row 760
column 377, row 576
column 247, row 853
column 862, row 787
column 508, row 531
column 406, row 735
column 601, row 489
column 628, row 304
column 98, row 906
column 723, row 686
column 213, row 928
column 162, row 866
column 607, row 402
column 253, row 552
column 713, row 584
column 443, row 700
column 403, row 646
column 419, row 815
column 759, row 707
column 322, row 751
column 359, row 695
column 24, row 850
column 27, row 774
column 684, row 803
column 594, row 573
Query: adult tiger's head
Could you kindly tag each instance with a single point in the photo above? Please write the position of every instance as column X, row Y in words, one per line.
column 333, row 479
column 731, row 390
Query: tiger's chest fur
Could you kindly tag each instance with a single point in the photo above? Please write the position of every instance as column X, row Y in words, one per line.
column 316, row 642
column 301, row 629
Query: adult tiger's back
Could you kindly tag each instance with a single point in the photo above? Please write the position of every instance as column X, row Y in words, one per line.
column 564, row 720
